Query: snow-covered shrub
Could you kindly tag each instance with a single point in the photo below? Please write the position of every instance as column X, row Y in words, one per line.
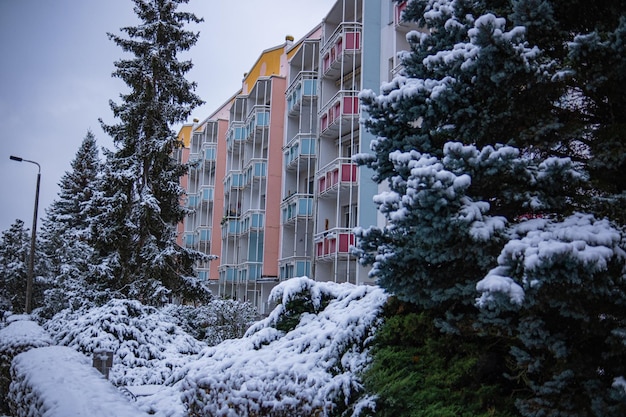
column 148, row 346
column 18, row 336
column 215, row 321
column 57, row 381
column 311, row 369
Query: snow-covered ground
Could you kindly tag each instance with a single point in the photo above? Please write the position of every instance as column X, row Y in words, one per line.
column 287, row 364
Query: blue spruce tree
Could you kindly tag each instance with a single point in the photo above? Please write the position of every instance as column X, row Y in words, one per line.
column 501, row 131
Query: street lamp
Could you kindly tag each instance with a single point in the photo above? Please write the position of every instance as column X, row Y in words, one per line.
column 33, row 237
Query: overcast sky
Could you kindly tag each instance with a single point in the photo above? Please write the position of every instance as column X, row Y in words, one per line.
column 55, row 76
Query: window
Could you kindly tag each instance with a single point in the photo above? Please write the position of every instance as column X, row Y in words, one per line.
column 349, row 216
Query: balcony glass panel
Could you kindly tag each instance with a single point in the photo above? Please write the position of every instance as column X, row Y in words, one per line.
column 192, row 201
column 307, row 146
column 303, row 268
column 305, row 206
column 309, row 87
column 228, row 273
column 209, row 154
column 190, row 240
column 205, row 235
column 207, row 195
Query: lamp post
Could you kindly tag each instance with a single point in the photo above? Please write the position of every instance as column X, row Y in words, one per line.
column 33, row 237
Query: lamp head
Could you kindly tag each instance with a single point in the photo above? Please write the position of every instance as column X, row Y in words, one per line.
column 16, row 158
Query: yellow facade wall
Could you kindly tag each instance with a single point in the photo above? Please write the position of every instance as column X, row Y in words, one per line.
column 184, row 134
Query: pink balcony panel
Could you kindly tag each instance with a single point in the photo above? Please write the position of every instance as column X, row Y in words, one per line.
column 350, row 105
column 345, row 241
column 353, row 40
column 348, row 172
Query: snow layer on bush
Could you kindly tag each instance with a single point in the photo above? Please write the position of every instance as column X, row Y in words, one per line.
column 148, row 346
column 20, row 334
column 57, row 381
column 309, row 370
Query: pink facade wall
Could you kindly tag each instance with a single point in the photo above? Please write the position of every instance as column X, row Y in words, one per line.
column 274, row 178
column 218, row 204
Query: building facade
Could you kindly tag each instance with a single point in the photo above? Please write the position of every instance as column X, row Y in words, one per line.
column 273, row 190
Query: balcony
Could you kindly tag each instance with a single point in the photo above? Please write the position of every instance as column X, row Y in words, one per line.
column 342, row 107
column 210, row 153
column 203, row 275
column 344, row 43
column 230, row 227
column 207, row 195
column 193, row 201
column 251, row 221
column 334, row 244
column 233, row 182
column 257, row 120
column 302, row 89
column 204, row 235
column 297, row 207
column 228, row 273
column 250, row 271
column 255, row 171
column 190, row 240
column 236, row 135
column 292, row 267
column 340, row 173
column 299, row 152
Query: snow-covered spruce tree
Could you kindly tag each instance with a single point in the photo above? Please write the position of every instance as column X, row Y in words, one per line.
column 140, row 200
column 502, row 115
column 14, row 258
column 13, row 267
column 65, row 234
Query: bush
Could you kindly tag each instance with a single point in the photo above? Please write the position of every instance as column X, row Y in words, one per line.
column 18, row 336
column 310, row 368
column 148, row 346
column 418, row 371
column 214, row 322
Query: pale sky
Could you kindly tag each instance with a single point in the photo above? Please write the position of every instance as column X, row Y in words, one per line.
column 55, row 76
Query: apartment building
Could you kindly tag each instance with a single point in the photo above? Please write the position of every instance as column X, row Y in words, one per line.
column 275, row 193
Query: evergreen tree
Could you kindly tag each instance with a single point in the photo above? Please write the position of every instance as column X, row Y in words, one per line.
column 504, row 123
column 14, row 257
column 140, row 198
column 65, row 234
column 14, row 248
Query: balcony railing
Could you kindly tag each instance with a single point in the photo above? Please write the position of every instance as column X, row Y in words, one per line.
column 204, row 235
column 259, row 118
column 297, row 206
column 301, row 148
column 334, row 243
column 230, row 227
column 252, row 220
column 193, row 201
column 302, row 88
column 250, row 271
column 190, row 239
column 291, row 267
column 210, row 153
column 342, row 106
column 228, row 272
column 256, row 170
column 345, row 41
column 207, row 195
column 236, row 134
column 340, row 172
column 234, row 181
